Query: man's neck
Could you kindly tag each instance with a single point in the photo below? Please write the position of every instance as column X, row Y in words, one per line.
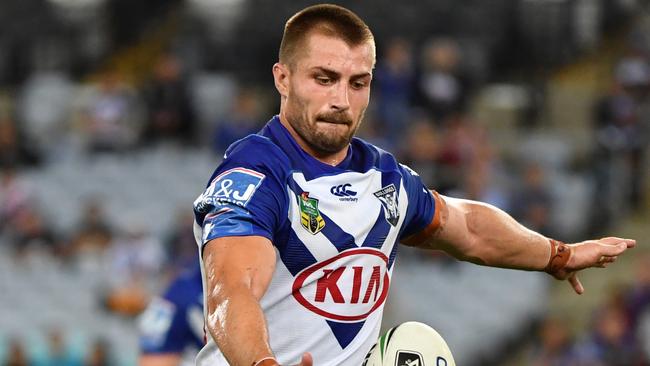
column 332, row 159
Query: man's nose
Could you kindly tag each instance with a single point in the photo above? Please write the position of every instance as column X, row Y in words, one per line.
column 340, row 97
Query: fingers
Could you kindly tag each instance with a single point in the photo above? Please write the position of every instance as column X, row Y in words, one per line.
column 631, row 243
column 575, row 283
column 613, row 249
column 604, row 252
column 603, row 261
column 612, row 240
column 307, row 359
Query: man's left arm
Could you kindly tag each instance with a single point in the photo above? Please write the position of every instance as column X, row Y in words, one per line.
column 483, row 234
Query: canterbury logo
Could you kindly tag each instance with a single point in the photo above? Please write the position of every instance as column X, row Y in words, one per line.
column 342, row 190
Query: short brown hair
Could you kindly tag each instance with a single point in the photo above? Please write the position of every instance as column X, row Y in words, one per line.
column 328, row 19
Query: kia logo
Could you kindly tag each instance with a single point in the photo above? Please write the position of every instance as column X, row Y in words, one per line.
column 342, row 190
column 347, row 287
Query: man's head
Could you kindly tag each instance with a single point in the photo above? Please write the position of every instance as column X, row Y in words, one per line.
column 325, row 19
column 323, row 76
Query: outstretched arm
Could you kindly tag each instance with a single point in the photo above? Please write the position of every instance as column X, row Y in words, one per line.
column 483, row 234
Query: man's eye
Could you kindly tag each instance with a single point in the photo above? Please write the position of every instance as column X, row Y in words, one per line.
column 358, row 84
column 323, row 80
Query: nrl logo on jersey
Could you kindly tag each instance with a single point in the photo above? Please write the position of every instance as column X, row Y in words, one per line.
column 310, row 217
column 388, row 198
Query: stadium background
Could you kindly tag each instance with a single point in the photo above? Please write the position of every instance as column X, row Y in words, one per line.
column 113, row 114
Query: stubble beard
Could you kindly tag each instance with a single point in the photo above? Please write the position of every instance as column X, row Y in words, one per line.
column 322, row 142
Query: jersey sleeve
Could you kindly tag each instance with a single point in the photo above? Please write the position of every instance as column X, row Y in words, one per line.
column 245, row 195
column 423, row 211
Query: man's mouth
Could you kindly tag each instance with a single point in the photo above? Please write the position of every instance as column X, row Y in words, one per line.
column 334, row 122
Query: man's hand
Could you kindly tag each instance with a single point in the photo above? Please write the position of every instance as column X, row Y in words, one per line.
column 306, row 360
column 591, row 253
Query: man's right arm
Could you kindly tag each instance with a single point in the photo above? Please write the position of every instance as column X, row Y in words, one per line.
column 238, row 270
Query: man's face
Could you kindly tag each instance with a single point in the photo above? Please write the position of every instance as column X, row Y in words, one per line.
column 327, row 92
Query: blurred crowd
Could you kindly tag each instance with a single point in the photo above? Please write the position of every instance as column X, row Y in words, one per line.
column 618, row 334
column 421, row 109
column 622, row 135
column 58, row 353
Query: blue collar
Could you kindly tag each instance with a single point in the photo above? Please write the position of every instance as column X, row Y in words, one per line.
column 299, row 158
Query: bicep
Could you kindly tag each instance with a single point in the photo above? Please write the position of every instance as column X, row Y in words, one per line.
column 454, row 234
column 238, row 262
column 448, row 230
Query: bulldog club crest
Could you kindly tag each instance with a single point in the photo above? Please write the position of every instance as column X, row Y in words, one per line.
column 388, row 198
column 310, row 217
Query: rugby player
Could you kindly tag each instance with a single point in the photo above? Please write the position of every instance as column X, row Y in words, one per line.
column 299, row 225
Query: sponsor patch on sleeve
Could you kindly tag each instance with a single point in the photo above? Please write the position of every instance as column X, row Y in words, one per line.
column 235, row 186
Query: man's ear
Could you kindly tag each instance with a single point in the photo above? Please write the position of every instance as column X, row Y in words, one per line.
column 281, row 78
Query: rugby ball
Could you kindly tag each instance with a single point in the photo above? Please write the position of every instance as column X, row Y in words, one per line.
column 410, row 344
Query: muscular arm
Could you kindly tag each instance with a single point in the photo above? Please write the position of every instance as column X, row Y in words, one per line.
column 238, row 271
column 483, row 234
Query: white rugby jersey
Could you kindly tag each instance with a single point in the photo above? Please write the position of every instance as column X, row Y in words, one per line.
column 334, row 229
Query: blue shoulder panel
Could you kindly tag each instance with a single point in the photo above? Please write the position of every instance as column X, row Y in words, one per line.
column 421, row 206
column 246, row 194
